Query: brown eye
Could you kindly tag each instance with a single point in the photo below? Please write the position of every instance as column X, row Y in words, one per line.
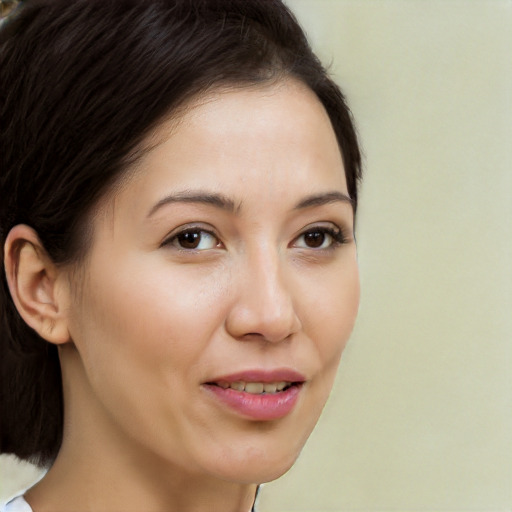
column 194, row 239
column 320, row 238
column 314, row 239
column 189, row 240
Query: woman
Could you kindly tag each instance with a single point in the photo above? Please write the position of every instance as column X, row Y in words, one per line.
column 179, row 184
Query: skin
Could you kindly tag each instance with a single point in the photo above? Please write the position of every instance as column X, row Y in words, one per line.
column 149, row 321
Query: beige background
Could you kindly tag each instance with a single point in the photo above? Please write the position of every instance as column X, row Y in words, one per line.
column 421, row 416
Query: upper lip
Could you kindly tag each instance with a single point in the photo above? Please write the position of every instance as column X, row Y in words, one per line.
column 261, row 375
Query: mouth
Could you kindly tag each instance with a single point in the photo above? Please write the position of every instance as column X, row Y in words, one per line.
column 256, row 388
column 259, row 396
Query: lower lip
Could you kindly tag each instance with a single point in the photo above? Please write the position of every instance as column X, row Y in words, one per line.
column 264, row 407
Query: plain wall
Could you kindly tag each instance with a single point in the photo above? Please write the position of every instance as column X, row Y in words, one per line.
column 421, row 415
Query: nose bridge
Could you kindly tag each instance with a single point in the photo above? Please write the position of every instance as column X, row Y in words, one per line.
column 264, row 305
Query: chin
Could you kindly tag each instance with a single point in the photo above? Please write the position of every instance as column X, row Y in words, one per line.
column 256, row 464
column 257, row 473
column 273, row 473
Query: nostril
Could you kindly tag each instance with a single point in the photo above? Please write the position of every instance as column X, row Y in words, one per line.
column 268, row 337
column 253, row 336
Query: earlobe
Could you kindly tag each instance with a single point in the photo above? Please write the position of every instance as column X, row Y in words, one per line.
column 36, row 285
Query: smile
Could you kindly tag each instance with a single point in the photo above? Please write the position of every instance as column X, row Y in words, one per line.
column 255, row 388
column 257, row 394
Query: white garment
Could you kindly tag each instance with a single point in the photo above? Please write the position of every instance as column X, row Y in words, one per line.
column 16, row 505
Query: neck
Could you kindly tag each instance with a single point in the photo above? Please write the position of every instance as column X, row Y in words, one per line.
column 97, row 482
column 100, row 468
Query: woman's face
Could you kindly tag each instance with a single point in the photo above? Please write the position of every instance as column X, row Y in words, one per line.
column 224, row 267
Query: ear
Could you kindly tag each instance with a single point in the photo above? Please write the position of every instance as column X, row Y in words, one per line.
column 39, row 290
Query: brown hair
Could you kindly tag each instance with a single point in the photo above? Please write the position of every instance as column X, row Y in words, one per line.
column 82, row 82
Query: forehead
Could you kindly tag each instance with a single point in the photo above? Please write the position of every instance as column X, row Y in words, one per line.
column 264, row 143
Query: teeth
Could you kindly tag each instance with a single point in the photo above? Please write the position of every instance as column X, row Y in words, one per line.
column 270, row 388
column 255, row 388
column 239, row 386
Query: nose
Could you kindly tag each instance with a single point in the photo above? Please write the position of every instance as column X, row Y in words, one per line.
column 263, row 302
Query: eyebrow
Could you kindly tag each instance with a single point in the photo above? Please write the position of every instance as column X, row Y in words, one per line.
column 208, row 198
column 324, row 198
column 225, row 203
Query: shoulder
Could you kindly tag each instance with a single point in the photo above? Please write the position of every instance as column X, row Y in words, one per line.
column 16, row 505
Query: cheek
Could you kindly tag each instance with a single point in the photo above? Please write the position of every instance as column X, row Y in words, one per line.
column 332, row 310
column 142, row 334
column 145, row 325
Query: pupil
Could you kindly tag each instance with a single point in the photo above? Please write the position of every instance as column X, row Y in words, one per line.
column 314, row 238
column 189, row 240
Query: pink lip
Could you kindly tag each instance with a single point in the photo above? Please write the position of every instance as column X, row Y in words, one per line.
column 277, row 375
column 263, row 407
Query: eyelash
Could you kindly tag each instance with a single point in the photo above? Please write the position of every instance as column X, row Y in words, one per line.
column 337, row 236
column 173, row 240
